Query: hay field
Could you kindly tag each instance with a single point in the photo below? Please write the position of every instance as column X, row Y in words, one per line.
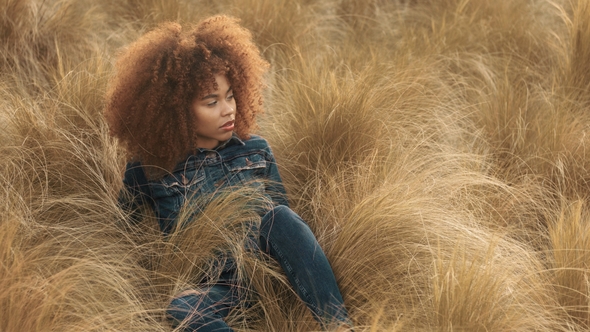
column 437, row 148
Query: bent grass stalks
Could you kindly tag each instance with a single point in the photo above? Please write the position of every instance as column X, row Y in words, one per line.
column 570, row 250
column 436, row 148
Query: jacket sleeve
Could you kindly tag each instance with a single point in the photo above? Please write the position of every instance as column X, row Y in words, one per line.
column 274, row 187
column 136, row 191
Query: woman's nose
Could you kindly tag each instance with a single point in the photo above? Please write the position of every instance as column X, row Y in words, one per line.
column 229, row 108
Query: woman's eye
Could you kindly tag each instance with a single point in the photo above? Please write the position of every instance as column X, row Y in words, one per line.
column 213, row 103
column 230, row 97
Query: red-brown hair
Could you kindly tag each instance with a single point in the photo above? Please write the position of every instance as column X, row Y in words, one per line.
column 149, row 100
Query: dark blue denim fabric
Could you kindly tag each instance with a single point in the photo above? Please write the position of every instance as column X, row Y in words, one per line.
column 288, row 239
column 236, row 162
column 282, row 233
column 206, row 309
column 285, row 237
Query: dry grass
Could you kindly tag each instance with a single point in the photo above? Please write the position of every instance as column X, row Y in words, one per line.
column 437, row 149
column 570, row 239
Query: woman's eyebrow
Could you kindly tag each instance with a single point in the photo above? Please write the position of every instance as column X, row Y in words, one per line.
column 214, row 95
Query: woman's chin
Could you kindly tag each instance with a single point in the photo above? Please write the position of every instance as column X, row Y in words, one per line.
column 226, row 136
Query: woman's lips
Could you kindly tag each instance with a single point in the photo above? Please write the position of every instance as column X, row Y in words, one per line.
column 228, row 125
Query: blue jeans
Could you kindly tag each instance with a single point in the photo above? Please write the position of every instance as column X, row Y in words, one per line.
column 285, row 237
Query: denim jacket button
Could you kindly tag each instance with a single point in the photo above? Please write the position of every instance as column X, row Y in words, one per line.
column 210, row 155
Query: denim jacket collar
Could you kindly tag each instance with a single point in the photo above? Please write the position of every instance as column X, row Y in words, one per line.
column 234, row 162
column 234, row 140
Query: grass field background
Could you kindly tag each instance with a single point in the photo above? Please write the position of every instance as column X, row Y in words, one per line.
column 437, row 148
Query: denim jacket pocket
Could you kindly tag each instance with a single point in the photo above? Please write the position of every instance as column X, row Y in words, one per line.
column 248, row 169
column 173, row 190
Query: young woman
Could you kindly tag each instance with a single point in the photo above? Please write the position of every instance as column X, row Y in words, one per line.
column 183, row 104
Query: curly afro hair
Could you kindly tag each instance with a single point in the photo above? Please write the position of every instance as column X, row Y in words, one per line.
column 148, row 106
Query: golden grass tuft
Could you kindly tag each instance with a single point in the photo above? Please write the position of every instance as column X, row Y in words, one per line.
column 436, row 148
column 570, row 240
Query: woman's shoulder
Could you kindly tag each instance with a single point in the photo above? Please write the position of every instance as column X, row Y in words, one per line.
column 135, row 174
column 255, row 144
column 256, row 141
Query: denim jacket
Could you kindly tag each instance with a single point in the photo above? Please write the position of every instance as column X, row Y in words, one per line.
column 233, row 163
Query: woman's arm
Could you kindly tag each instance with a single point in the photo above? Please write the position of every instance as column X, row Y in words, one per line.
column 136, row 191
column 274, row 187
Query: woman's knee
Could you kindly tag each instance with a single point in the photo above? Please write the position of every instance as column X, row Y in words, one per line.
column 198, row 304
column 281, row 219
column 282, row 226
column 181, row 307
column 279, row 211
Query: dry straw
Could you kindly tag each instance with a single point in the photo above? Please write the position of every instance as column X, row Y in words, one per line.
column 436, row 148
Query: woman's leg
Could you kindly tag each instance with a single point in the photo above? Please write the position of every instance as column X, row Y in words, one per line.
column 203, row 309
column 286, row 237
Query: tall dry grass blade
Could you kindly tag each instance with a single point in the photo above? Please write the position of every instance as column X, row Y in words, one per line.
column 570, row 262
column 429, row 144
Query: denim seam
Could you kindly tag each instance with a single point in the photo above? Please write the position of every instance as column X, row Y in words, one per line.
column 304, row 291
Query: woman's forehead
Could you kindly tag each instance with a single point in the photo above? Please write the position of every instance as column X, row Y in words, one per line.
column 219, row 85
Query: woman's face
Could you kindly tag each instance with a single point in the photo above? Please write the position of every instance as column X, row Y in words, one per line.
column 215, row 113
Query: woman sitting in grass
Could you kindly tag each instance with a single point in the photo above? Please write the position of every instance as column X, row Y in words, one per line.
column 184, row 105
